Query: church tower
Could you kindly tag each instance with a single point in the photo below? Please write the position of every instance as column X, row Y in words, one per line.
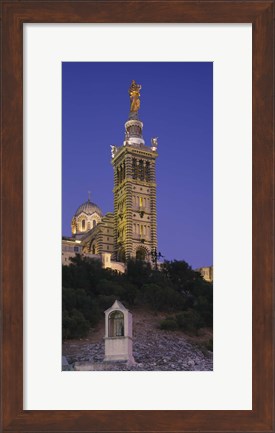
column 135, row 218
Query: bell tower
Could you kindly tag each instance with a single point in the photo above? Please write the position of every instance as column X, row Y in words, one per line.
column 135, row 217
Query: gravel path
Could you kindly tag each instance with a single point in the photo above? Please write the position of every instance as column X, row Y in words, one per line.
column 153, row 349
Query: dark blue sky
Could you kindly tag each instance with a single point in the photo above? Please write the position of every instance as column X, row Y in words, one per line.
column 177, row 107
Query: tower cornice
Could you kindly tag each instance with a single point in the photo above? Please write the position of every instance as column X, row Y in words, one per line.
column 134, row 182
column 131, row 150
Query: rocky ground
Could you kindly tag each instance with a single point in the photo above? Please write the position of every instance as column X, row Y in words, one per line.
column 153, row 349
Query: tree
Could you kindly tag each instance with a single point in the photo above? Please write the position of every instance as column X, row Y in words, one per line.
column 180, row 274
column 88, row 290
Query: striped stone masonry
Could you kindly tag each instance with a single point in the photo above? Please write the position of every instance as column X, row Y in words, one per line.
column 128, row 182
column 115, row 212
column 128, row 207
column 153, row 207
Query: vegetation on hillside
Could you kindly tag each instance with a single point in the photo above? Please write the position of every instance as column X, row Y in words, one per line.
column 88, row 290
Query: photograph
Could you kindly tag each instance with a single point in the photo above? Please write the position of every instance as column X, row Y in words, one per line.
column 137, row 216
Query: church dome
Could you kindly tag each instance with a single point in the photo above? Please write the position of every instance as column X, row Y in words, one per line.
column 88, row 208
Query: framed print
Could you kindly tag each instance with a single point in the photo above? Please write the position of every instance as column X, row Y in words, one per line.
column 36, row 394
column 38, row 38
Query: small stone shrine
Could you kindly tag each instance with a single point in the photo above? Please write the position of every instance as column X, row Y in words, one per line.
column 118, row 334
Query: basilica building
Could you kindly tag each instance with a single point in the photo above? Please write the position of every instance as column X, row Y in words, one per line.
column 130, row 231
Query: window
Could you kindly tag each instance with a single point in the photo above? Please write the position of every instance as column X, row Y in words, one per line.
column 141, row 170
column 94, row 223
column 116, row 324
column 76, row 249
column 140, row 254
column 83, row 224
column 147, row 171
column 134, row 169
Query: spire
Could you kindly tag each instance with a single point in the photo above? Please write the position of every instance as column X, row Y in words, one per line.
column 89, row 195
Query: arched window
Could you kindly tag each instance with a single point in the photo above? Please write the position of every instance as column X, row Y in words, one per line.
column 116, row 324
column 94, row 223
column 83, row 224
column 140, row 254
column 93, row 249
column 134, row 168
column 147, row 171
column 141, row 170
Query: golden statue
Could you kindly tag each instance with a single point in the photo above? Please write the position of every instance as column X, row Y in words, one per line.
column 134, row 96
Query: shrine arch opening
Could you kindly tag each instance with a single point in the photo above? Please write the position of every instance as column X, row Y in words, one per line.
column 116, row 324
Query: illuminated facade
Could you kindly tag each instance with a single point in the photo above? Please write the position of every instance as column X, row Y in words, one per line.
column 131, row 230
column 87, row 216
column 135, row 219
column 207, row 273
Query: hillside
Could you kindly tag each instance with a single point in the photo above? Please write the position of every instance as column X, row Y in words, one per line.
column 153, row 349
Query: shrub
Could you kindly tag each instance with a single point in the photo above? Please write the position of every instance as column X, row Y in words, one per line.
column 161, row 298
column 68, row 298
column 92, row 313
column 209, row 345
column 106, row 301
column 130, row 293
column 74, row 324
column 78, row 299
column 169, row 324
column 189, row 321
column 89, row 290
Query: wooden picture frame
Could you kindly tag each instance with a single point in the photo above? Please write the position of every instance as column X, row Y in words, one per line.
column 14, row 15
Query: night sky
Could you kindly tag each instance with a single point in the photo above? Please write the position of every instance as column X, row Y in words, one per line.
column 176, row 107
